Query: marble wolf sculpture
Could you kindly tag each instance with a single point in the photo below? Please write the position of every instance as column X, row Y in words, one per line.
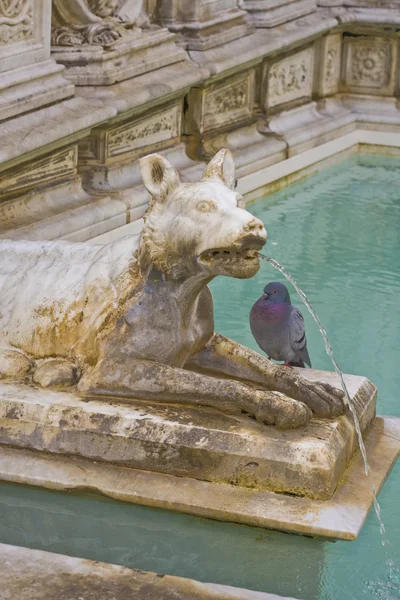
column 134, row 318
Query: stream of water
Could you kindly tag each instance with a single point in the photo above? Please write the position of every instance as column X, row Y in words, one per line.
column 339, row 371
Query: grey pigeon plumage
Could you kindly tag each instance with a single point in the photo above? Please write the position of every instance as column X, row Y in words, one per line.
column 278, row 326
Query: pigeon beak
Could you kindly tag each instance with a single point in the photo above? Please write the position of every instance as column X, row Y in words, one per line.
column 266, row 295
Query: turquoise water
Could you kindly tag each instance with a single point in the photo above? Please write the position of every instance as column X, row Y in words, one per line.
column 338, row 233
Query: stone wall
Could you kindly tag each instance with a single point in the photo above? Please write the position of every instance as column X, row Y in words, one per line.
column 89, row 86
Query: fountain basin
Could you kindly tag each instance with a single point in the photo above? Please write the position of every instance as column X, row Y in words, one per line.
column 49, row 576
column 226, row 467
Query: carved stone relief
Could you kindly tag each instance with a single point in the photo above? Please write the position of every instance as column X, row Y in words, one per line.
column 220, row 104
column 151, row 132
column 57, row 167
column 369, row 65
column 101, row 22
column 16, row 20
column 290, row 79
column 327, row 68
column 231, row 101
column 147, row 132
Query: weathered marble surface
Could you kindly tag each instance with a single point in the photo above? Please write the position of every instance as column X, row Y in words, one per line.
column 29, row 79
column 35, row 575
column 134, row 318
column 193, row 442
column 340, row 517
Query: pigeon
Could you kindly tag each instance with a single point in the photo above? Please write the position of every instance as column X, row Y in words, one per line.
column 278, row 327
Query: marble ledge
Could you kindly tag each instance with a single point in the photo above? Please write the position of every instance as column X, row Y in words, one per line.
column 341, row 517
column 145, row 91
column 36, row 575
column 255, row 47
column 38, row 132
column 363, row 15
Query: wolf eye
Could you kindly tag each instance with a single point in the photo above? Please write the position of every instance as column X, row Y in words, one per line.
column 240, row 201
column 206, row 206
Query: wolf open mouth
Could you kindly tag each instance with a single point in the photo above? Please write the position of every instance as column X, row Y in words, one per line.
column 248, row 251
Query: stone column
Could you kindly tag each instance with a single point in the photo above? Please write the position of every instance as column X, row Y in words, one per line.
column 28, row 77
column 203, row 24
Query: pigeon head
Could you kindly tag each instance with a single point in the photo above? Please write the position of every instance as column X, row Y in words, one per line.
column 276, row 293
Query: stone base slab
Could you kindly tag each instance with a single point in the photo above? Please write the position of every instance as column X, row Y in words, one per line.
column 37, row 575
column 195, row 442
column 341, row 517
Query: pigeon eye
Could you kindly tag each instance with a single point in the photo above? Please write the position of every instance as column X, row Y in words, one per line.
column 274, row 291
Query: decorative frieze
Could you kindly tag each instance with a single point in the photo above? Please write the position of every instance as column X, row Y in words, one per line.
column 16, row 20
column 132, row 139
column 56, row 167
column 218, row 105
column 289, row 80
column 369, row 65
column 327, row 67
column 150, row 131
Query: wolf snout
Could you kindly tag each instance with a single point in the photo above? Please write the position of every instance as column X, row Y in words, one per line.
column 255, row 227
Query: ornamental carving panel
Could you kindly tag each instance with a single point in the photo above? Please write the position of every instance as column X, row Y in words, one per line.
column 16, row 20
column 231, row 101
column 291, row 78
column 332, row 63
column 370, row 64
column 149, row 131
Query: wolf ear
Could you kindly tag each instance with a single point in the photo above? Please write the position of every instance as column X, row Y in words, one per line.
column 221, row 167
column 159, row 176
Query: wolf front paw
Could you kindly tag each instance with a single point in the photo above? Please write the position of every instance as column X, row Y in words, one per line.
column 324, row 400
column 274, row 408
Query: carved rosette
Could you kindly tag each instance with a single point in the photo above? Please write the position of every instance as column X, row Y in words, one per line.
column 98, row 22
column 290, row 79
column 370, row 65
column 16, row 20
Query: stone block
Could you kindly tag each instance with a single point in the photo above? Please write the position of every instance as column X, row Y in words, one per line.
column 220, row 104
column 215, row 108
column 199, row 442
column 289, row 81
column 340, row 517
column 369, row 65
column 327, row 65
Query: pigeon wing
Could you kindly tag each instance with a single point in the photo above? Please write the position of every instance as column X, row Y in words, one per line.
column 298, row 341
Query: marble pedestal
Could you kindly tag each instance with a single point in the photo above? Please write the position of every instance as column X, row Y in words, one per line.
column 197, row 460
column 139, row 52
